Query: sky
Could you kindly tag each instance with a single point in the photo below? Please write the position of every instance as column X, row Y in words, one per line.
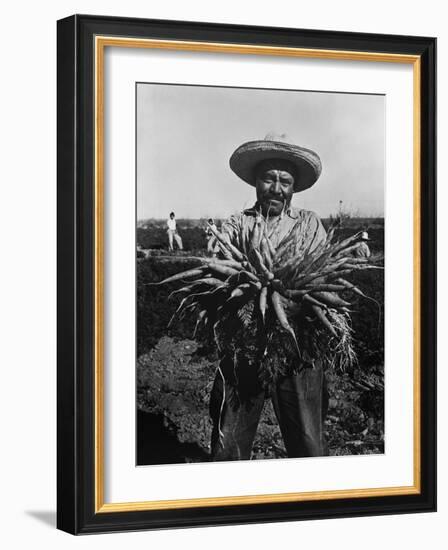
column 186, row 135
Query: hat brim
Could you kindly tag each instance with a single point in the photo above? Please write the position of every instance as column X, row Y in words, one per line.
column 307, row 163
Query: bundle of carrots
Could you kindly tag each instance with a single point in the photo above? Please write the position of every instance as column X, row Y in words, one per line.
column 260, row 290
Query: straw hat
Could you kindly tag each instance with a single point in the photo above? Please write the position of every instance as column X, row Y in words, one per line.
column 246, row 157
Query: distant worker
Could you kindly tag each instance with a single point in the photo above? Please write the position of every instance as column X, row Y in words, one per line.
column 362, row 250
column 212, row 242
column 172, row 233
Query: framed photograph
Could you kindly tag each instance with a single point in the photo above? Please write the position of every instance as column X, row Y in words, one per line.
column 246, row 274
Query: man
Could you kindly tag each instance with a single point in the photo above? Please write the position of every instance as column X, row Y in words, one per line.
column 362, row 250
column 172, row 233
column 210, row 232
column 277, row 169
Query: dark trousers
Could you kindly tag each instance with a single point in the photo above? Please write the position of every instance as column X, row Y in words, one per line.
column 300, row 404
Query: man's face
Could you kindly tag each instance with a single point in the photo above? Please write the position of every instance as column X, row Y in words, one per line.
column 274, row 183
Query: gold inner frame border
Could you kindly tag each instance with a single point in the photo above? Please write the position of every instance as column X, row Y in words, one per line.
column 100, row 43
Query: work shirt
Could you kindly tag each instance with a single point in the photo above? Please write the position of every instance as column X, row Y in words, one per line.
column 304, row 226
column 171, row 223
column 362, row 250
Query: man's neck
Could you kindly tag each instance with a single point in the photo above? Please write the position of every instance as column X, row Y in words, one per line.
column 268, row 215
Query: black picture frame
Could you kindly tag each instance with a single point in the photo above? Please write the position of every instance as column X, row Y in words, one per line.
column 76, row 511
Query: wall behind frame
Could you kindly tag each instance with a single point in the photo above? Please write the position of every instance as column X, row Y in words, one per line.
column 27, row 289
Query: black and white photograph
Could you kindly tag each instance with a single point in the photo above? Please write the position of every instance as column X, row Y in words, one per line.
column 260, row 273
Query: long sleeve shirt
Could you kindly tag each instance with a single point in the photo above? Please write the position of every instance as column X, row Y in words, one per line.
column 171, row 223
column 304, row 227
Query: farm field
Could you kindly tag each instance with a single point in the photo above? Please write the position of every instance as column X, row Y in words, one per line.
column 175, row 371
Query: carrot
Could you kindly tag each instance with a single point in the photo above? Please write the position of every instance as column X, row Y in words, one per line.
column 201, row 316
column 315, row 263
column 293, row 294
column 268, row 275
column 314, row 259
column 323, row 319
column 356, row 265
column 229, row 246
column 209, row 281
column 241, row 297
column 281, row 316
column 184, row 275
column 263, row 301
column 228, row 263
column 312, row 300
column 286, row 241
column 239, row 291
column 282, row 251
column 222, row 269
column 356, row 290
column 353, row 260
column 251, row 277
column 344, row 244
column 266, row 254
column 335, row 264
column 244, row 277
column 287, row 268
column 255, row 287
column 249, row 267
column 268, row 242
column 352, row 287
column 330, row 234
column 236, row 252
column 256, row 233
column 331, row 299
column 327, row 288
column 302, row 281
column 183, row 289
column 225, row 251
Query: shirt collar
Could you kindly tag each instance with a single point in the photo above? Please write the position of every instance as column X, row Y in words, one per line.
column 291, row 212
